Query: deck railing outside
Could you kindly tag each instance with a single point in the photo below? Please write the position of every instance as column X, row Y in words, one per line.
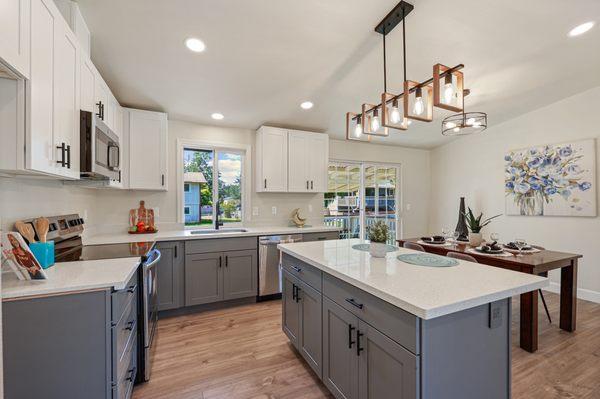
column 350, row 225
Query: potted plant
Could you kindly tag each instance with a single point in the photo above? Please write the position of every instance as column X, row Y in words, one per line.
column 378, row 235
column 475, row 225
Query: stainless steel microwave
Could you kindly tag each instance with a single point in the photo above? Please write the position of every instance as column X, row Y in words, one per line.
column 99, row 149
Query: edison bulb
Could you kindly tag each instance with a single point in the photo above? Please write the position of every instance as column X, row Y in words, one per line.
column 449, row 91
column 358, row 129
column 456, row 129
column 471, row 121
column 419, row 106
column 375, row 123
column 395, row 115
column 450, row 125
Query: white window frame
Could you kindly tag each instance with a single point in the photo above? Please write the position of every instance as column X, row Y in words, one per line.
column 244, row 150
column 398, row 197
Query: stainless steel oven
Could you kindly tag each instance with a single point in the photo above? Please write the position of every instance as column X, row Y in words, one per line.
column 99, row 149
column 149, row 310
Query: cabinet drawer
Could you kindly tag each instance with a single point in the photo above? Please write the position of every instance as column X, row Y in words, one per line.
column 120, row 299
column 305, row 272
column 126, row 375
column 325, row 235
column 220, row 245
column 124, row 336
column 397, row 324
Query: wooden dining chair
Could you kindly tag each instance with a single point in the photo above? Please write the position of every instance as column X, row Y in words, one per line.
column 412, row 245
column 544, row 274
column 458, row 255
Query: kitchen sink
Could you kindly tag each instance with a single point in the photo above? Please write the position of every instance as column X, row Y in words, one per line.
column 220, row 231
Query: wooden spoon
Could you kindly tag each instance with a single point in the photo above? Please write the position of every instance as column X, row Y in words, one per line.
column 26, row 230
column 41, row 226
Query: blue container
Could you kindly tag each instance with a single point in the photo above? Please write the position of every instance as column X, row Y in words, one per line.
column 43, row 252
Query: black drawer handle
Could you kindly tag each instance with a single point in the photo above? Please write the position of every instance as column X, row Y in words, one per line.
column 294, row 292
column 296, row 268
column 297, row 294
column 130, row 325
column 352, row 302
column 350, row 341
column 132, row 288
column 358, row 348
column 131, row 374
column 321, row 238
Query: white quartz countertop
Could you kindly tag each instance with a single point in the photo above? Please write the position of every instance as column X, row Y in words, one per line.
column 177, row 235
column 426, row 292
column 65, row 277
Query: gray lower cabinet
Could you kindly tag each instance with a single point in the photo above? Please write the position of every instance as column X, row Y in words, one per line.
column 203, row 278
column 240, row 274
column 170, row 275
column 302, row 320
column 77, row 345
column 217, row 276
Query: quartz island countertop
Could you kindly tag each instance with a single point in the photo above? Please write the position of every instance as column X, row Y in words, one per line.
column 426, row 292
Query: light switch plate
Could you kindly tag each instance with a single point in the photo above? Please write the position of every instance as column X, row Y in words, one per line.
column 254, row 211
column 274, row 210
column 496, row 314
column 408, row 207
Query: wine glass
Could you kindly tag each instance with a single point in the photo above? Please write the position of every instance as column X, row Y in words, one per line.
column 520, row 244
column 446, row 232
column 494, row 237
column 455, row 235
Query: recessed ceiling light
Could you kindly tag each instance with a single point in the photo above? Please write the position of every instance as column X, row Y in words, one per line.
column 581, row 29
column 195, row 45
column 306, row 105
column 217, row 116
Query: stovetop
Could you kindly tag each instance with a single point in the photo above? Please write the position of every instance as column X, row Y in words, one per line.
column 73, row 250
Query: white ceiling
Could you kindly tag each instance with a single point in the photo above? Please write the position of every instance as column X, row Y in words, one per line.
column 265, row 57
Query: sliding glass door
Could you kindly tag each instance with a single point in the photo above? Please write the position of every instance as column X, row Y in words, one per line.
column 359, row 194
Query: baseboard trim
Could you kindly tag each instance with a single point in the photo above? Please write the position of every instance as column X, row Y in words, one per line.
column 582, row 293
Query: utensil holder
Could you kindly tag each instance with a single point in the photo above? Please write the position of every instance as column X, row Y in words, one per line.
column 43, row 252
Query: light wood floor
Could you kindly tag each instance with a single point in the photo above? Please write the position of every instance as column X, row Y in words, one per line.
column 241, row 353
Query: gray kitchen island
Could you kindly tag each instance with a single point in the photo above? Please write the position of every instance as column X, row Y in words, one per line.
column 381, row 328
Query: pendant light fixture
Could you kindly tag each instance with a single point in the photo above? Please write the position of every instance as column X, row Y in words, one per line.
column 443, row 90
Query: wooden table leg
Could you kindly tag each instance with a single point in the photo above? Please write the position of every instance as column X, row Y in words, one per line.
column 529, row 321
column 568, row 297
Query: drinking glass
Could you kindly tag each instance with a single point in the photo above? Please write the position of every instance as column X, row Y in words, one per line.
column 520, row 244
column 494, row 237
column 446, row 233
column 455, row 235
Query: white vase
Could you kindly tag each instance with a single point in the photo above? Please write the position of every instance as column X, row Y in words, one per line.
column 377, row 249
column 475, row 239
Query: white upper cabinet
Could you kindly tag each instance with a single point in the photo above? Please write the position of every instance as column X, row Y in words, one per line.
column 271, row 159
column 308, row 156
column 87, row 83
column 291, row 160
column 15, row 35
column 147, row 132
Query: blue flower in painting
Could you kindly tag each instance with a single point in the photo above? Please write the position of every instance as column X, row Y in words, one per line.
column 510, row 185
column 550, row 190
column 565, row 193
column 535, row 162
column 508, row 158
column 536, row 187
column 586, row 185
column 522, row 187
column 574, row 169
column 565, row 151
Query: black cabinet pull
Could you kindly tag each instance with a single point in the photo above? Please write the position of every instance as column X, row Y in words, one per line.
column 265, row 183
column 294, row 292
column 220, row 261
column 131, row 374
column 350, row 341
column 69, row 157
column 132, row 288
column 175, row 249
column 119, row 176
column 296, row 268
column 297, row 294
column 99, row 114
column 62, row 147
column 358, row 348
column 130, row 325
column 311, row 185
column 307, row 184
column 352, row 302
column 162, row 180
column 226, row 260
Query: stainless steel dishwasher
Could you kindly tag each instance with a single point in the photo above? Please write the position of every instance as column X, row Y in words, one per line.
column 269, row 260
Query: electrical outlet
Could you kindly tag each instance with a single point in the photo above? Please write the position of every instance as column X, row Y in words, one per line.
column 254, row 211
column 310, row 208
column 274, row 210
column 495, row 314
column 408, row 207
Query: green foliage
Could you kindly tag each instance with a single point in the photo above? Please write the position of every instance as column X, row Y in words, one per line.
column 475, row 223
column 378, row 232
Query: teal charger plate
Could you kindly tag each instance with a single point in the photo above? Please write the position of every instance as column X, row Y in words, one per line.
column 430, row 260
column 365, row 247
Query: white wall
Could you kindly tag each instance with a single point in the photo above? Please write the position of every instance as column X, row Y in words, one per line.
column 416, row 181
column 473, row 167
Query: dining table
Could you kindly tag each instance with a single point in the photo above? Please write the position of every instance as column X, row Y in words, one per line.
column 539, row 263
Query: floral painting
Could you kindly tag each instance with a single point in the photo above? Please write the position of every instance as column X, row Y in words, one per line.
column 552, row 180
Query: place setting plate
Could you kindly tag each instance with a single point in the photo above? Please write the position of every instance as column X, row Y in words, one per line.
column 426, row 259
column 366, row 246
